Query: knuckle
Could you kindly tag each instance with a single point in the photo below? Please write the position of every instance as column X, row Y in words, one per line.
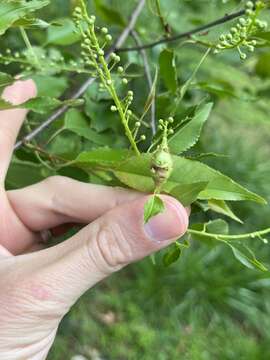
column 113, row 248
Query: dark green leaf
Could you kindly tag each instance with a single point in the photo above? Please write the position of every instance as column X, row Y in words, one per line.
column 172, row 256
column 168, row 69
column 110, row 15
column 5, row 80
column 76, row 122
column 153, row 207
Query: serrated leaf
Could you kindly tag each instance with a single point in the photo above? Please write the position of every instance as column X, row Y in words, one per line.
column 188, row 135
column 172, row 256
column 12, row 11
column 134, row 171
column 110, row 15
column 221, row 207
column 168, row 69
column 188, row 193
column 153, row 207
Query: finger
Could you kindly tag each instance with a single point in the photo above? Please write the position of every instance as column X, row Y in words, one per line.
column 11, row 120
column 116, row 239
column 4, row 253
column 58, row 200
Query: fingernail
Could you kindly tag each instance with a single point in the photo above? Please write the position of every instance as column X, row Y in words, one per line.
column 169, row 225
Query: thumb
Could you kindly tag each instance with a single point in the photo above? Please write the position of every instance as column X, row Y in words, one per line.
column 108, row 244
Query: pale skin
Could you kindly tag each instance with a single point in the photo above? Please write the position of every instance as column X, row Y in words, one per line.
column 38, row 286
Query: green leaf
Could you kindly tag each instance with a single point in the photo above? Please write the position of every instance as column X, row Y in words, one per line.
column 52, row 86
column 5, row 80
column 31, row 23
column 63, row 35
column 221, row 207
column 102, row 158
column 76, row 122
column 135, row 172
column 188, row 193
column 153, row 207
column 12, row 11
column 108, row 14
column 40, row 105
column 217, row 226
column 251, row 263
column 172, row 256
column 188, row 135
column 168, row 69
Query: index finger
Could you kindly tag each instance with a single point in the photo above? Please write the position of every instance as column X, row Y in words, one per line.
column 12, row 120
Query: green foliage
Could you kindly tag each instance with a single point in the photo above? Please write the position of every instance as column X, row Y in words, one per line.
column 108, row 119
column 220, row 110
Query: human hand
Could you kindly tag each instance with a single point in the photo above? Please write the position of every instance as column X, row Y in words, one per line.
column 38, row 286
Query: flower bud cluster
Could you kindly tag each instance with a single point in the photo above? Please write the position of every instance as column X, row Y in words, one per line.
column 242, row 34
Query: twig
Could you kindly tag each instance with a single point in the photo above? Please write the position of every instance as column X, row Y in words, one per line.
column 121, row 40
column 149, row 79
column 187, row 34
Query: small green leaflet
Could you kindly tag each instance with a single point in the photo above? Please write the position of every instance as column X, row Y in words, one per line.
column 168, row 69
column 12, row 11
column 174, row 252
column 172, row 256
column 153, row 207
column 188, row 135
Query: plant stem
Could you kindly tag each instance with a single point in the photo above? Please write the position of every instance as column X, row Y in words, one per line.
column 29, row 46
column 164, row 24
column 108, row 83
column 252, row 235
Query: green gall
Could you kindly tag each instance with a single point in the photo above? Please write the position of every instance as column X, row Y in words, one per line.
column 125, row 81
column 113, row 108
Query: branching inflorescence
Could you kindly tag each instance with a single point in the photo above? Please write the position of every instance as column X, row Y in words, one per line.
column 242, row 34
column 94, row 57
